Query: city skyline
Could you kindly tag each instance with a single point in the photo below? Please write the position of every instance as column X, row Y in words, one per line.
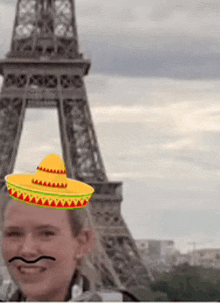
column 154, row 94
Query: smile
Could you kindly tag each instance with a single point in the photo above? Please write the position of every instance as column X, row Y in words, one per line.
column 31, row 269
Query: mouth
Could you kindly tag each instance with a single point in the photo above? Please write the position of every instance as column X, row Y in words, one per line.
column 30, row 269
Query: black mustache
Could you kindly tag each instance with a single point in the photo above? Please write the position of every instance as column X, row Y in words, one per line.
column 31, row 262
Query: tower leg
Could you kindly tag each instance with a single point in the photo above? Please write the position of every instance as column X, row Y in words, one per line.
column 83, row 159
column 12, row 111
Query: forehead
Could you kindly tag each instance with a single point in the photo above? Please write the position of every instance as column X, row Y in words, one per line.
column 21, row 213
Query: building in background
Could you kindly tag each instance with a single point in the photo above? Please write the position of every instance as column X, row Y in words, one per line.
column 207, row 258
column 156, row 249
column 161, row 255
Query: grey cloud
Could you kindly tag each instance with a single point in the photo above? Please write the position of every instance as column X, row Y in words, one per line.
column 207, row 161
column 96, row 85
column 36, row 115
column 131, row 135
column 188, row 222
column 171, row 198
column 116, row 10
column 138, row 148
column 191, row 59
column 205, row 155
column 166, row 9
column 10, row 2
column 170, row 48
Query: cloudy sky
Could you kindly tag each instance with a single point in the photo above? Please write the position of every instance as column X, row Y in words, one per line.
column 154, row 91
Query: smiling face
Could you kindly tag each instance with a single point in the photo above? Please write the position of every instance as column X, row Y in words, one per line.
column 31, row 232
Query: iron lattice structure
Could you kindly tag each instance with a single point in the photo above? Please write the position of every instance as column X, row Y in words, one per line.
column 45, row 69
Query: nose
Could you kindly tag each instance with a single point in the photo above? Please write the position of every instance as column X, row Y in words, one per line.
column 29, row 247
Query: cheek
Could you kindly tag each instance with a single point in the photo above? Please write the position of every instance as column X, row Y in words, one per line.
column 8, row 249
column 65, row 264
column 62, row 249
column 59, row 247
column 66, row 254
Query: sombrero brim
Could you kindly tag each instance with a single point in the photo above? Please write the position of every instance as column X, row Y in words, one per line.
column 75, row 196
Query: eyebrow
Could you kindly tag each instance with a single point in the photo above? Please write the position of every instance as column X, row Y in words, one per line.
column 47, row 227
column 36, row 228
column 12, row 227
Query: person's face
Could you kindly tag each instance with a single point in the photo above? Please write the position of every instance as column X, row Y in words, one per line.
column 31, row 232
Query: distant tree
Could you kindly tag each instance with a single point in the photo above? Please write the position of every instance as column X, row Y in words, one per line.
column 187, row 283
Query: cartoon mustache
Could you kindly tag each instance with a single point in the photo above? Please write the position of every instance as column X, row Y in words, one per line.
column 31, row 262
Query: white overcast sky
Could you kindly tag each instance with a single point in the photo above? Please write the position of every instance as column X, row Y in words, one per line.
column 154, row 91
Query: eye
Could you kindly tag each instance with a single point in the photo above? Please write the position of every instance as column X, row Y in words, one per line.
column 12, row 234
column 47, row 233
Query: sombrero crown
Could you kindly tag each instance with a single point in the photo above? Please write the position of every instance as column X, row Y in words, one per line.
column 49, row 186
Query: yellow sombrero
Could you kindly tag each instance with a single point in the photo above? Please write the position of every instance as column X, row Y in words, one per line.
column 49, row 186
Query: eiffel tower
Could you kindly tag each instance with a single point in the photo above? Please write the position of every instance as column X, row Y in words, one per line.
column 44, row 68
